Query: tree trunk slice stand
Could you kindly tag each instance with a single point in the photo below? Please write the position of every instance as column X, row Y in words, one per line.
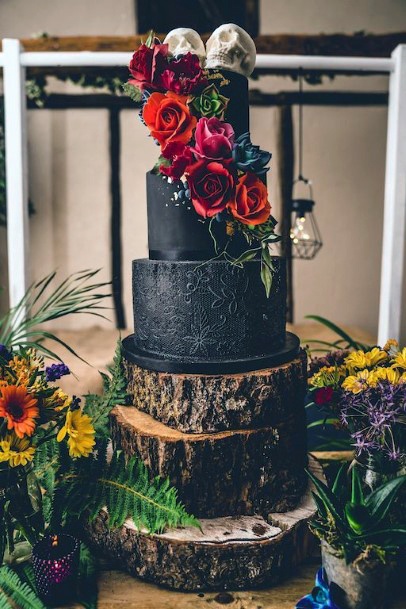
column 210, row 403
column 233, row 472
column 233, row 552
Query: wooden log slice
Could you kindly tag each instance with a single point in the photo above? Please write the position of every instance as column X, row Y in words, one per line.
column 244, row 471
column 209, row 403
column 229, row 553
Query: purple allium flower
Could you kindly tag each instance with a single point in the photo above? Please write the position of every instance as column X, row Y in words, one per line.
column 55, row 372
column 375, row 419
column 5, row 353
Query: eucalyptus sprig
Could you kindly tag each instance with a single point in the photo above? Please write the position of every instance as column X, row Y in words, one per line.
column 22, row 326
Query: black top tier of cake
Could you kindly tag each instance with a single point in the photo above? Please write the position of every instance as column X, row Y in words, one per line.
column 175, row 230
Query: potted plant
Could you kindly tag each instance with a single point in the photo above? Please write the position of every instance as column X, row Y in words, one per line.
column 360, row 537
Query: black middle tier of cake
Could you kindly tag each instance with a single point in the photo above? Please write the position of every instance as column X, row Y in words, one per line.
column 208, row 314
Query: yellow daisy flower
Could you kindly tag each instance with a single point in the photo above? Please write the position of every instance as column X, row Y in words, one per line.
column 356, row 359
column 375, row 356
column 384, row 374
column 400, row 360
column 16, row 451
column 80, row 430
column 356, row 383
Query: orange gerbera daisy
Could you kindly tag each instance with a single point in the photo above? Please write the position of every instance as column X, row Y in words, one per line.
column 19, row 408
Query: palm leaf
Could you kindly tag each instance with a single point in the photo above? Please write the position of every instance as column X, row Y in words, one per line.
column 337, row 330
column 77, row 294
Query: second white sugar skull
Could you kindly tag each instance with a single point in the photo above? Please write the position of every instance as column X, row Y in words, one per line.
column 231, row 48
column 184, row 40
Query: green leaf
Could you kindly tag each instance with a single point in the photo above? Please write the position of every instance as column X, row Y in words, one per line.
column 357, row 495
column 390, row 537
column 337, row 330
column 246, row 256
column 329, row 500
column 339, row 488
column 380, row 500
column 323, row 422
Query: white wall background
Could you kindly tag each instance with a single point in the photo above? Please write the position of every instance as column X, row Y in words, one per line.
column 344, row 155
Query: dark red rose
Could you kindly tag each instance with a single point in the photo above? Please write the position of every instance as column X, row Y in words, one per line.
column 251, row 205
column 147, row 65
column 212, row 186
column 181, row 156
column 183, row 75
column 323, row 395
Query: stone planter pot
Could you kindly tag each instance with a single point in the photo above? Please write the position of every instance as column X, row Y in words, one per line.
column 363, row 584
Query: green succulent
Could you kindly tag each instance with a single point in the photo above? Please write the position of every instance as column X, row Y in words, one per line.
column 350, row 520
column 210, row 103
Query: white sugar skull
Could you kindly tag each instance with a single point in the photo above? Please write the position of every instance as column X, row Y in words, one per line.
column 231, row 48
column 183, row 40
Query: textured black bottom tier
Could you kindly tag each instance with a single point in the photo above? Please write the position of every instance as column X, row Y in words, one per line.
column 286, row 353
column 213, row 315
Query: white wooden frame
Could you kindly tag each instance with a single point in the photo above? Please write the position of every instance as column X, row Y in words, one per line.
column 14, row 61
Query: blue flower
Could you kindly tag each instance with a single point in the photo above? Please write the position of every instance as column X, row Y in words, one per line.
column 320, row 596
column 5, row 354
column 248, row 157
column 54, row 372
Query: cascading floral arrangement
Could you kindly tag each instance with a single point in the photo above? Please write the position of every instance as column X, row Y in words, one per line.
column 33, row 410
column 222, row 175
column 365, row 392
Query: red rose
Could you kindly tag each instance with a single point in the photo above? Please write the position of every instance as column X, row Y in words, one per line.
column 181, row 156
column 169, row 119
column 251, row 205
column 323, row 395
column 212, row 186
column 147, row 65
column 183, row 75
column 214, row 138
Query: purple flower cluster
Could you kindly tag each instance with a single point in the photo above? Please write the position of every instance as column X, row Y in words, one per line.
column 55, row 372
column 375, row 418
column 5, row 353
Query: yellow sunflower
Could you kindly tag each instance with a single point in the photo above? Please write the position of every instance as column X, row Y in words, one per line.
column 400, row 360
column 16, row 451
column 365, row 359
column 80, row 430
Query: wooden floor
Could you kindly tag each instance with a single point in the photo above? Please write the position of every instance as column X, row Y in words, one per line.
column 120, row 591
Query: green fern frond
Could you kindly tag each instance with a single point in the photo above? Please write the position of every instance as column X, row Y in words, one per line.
column 20, row 594
column 126, row 491
column 98, row 407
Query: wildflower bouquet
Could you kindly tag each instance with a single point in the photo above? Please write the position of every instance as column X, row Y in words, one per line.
column 33, row 411
column 365, row 392
column 219, row 175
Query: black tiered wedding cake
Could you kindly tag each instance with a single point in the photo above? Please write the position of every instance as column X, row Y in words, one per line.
column 217, row 384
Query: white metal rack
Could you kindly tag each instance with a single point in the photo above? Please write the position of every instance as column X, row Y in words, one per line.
column 15, row 61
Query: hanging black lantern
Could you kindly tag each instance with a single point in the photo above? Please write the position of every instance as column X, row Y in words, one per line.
column 304, row 231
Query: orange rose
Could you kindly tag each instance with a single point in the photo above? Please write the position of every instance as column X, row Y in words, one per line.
column 251, row 205
column 168, row 118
